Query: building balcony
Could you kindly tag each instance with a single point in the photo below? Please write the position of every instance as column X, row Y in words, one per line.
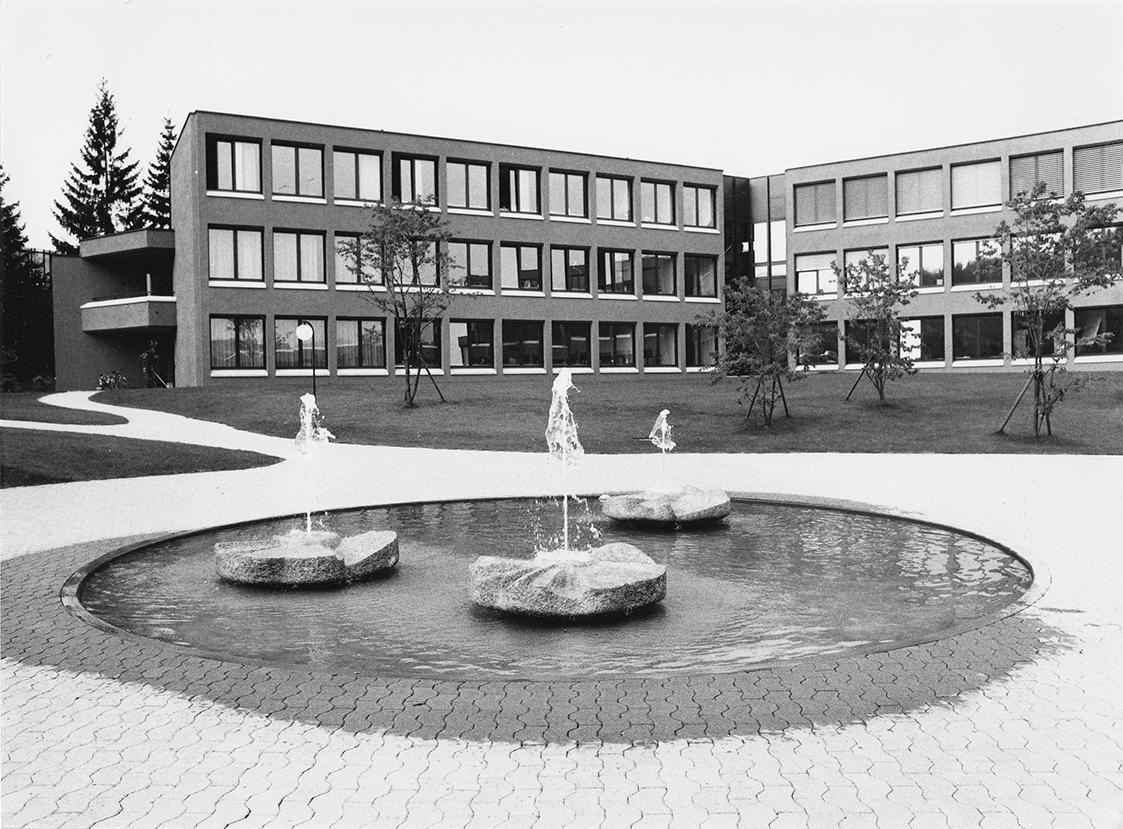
column 129, row 313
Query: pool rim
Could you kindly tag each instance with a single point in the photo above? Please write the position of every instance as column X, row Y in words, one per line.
column 1040, row 580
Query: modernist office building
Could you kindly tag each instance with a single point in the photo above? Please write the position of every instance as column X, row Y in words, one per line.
column 597, row 263
column 589, row 262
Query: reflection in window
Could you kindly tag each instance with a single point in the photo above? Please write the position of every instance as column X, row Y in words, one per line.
column 617, row 342
column 356, row 175
column 569, row 269
column 700, row 275
column 701, row 345
column 237, row 342
column 824, row 347
column 235, row 253
column 298, row 171
column 520, row 267
column 1093, row 322
column 614, row 198
column 616, row 275
column 854, row 259
column 660, row 344
column 360, row 343
column 975, row 262
column 468, row 185
column 290, row 352
column 415, row 180
column 657, row 202
column 429, row 347
column 349, row 261
column 698, row 206
column 922, row 339
column 976, row 336
column 471, row 263
column 658, row 274
column 1023, row 336
column 518, row 189
column 472, row 344
column 571, row 344
column 567, row 194
column 923, row 265
column 298, row 257
column 522, row 344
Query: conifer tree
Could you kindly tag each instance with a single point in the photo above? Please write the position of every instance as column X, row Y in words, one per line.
column 26, row 336
column 101, row 194
column 157, row 184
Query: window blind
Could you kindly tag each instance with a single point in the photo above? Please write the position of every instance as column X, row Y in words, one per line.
column 814, row 203
column 1098, row 169
column 865, row 198
column 976, row 185
column 919, row 191
column 1027, row 170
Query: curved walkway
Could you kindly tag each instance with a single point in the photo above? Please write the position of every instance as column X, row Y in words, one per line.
column 1015, row 724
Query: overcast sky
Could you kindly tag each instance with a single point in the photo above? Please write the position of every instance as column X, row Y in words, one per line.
column 750, row 87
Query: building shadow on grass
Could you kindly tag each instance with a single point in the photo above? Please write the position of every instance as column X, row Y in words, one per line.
column 38, row 631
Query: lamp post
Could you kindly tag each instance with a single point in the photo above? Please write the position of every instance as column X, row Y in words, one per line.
column 304, row 333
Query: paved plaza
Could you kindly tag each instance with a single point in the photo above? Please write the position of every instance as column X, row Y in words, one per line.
column 1013, row 724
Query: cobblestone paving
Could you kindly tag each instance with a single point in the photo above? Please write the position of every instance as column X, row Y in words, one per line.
column 1016, row 724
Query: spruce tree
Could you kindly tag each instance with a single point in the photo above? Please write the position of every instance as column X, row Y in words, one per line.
column 101, row 195
column 26, row 336
column 157, row 184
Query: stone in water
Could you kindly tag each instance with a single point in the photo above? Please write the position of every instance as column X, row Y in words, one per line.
column 688, row 505
column 302, row 558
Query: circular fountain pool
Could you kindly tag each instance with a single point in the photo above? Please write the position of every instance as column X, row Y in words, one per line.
column 775, row 582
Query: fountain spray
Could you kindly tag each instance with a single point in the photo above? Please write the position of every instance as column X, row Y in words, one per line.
column 312, row 435
column 661, row 437
column 561, row 438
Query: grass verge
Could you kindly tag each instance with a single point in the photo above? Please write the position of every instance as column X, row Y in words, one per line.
column 26, row 406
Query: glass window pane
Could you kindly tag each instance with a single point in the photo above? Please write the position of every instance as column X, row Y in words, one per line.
column 284, row 170
column 477, row 186
column 528, row 191
column 370, row 177
column 457, row 184
column 664, row 210
column 284, row 257
column 247, row 166
column 221, row 253
column 647, row 201
column 557, row 194
column 286, row 353
column 426, row 180
column 706, row 208
column 249, row 255
column 311, row 257
column 509, row 266
column 576, row 187
column 311, row 172
column 405, row 180
column 347, row 344
column 690, row 206
column 778, row 234
column 622, row 200
column 345, row 261
column 224, row 152
column 373, row 333
column 223, row 353
column 343, row 173
column 557, row 269
column 604, row 198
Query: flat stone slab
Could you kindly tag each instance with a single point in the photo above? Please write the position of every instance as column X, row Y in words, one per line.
column 688, row 505
column 612, row 579
column 301, row 559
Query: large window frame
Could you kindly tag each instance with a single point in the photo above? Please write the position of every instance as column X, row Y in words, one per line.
column 966, row 256
column 361, row 347
column 236, row 168
column 655, row 267
column 923, row 263
column 316, row 347
column 696, row 277
column 478, row 347
column 358, row 186
column 1027, row 171
column 917, row 192
column 567, row 187
column 827, row 354
column 475, row 270
column 304, row 157
column 302, row 239
column 404, row 178
column 815, row 270
column 430, row 344
column 240, row 238
column 1098, row 168
column 699, row 201
column 656, row 353
column 614, row 199
column 343, row 274
column 616, row 271
column 520, row 189
column 657, row 202
column 982, row 189
column 610, row 334
column 815, row 203
column 460, row 175
column 1099, row 319
column 245, row 356
column 563, row 335
column 701, row 345
column 1021, row 344
column 517, row 335
column 865, row 198
column 521, row 252
column 976, row 329
column 922, row 339
column 565, row 275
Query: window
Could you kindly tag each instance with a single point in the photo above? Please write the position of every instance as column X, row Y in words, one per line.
column 616, row 272
column 854, row 258
column 919, row 191
column 814, row 204
column 567, row 194
column 290, row 352
column 356, row 175
column 569, row 269
column 922, row 264
column 233, row 164
column 976, row 336
column 614, row 198
column 701, row 345
column 1023, row 339
column 471, row 263
column 426, row 268
column 975, row 262
column 235, row 253
column 859, row 339
column 468, row 185
column 518, row 189
column 617, row 342
column 349, row 262
column 1098, row 169
column 922, row 339
column 472, row 344
column 237, row 342
column 657, row 202
column 1093, row 322
column 429, row 346
column 700, row 275
column 571, row 344
column 976, row 185
column 658, row 274
column 865, row 198
column 298, row 257
column 698, row 206
column 522, row 344
column 814, row 273
column 778, row 240
column 360, row 343
column 298, row 171
column 824, row 348
column 520, row 267
column 1027, row 170
column 415, row 179
column 660, row 344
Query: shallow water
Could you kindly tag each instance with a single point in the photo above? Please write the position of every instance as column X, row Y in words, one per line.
column 773, row 582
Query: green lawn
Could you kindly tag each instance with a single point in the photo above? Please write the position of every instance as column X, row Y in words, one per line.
column 29, row 457
column 26, row 406
column 955, row 413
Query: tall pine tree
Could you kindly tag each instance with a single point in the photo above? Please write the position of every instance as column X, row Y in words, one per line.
column 26, row 335
column 102, row 194
column 157, row 184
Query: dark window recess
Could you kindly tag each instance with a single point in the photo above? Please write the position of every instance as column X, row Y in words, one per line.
column 976, row 337
column 617, row 341
column 472, row 344
column 570, row 346
column 1093, row 322
column 522, row 344
column 429, row 346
